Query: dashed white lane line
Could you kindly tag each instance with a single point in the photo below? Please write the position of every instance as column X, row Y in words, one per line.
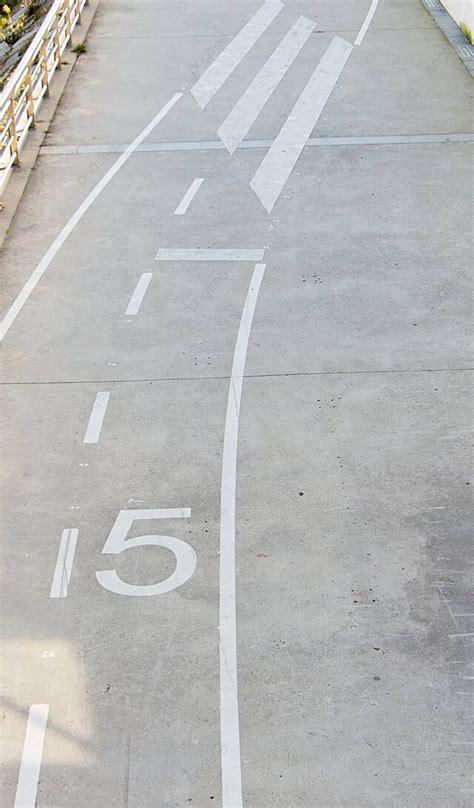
column 278, row 163
column 139, row 293
column 366, row 23
column 189, row 196
column 166, row 254
column 43, row 265
column 221, row 68
column 63, row 570
column 31, row 758
column 229, row 702
column 97, row 416
column 251, row 103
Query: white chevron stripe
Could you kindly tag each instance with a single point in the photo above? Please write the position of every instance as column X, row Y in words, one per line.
column 221, row 68
column 250, row 105
column 279, row 162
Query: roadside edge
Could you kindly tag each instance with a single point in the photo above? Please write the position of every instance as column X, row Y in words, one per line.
column 19, row 178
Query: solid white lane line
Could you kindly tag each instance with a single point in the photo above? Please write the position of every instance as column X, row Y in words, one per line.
column 209, row 255
column 229, row 703
column 249, row 106
column 63, row 570
column 189, row 196
column 31, row 758
column 43, row 265
column 278, row 163
column 139, row 294
column 366, row 22
column 97, row 416
column 221, row 68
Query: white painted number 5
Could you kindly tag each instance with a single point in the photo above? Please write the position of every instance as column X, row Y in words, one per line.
column 117, row 543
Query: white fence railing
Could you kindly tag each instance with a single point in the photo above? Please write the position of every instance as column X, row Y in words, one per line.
column 29, row 83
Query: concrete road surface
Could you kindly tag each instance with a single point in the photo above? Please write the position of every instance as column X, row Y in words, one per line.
column 237, row 418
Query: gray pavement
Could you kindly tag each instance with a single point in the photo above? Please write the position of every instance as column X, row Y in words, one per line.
column 354, row 620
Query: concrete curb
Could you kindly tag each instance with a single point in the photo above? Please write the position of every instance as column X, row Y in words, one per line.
column 19, row 178
column 452, row 32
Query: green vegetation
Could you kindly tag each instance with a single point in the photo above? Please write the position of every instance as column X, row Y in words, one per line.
column 467, row 32
column 81, row 47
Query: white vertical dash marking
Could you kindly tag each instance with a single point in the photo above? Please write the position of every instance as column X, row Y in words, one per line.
column 189, row 196
column 97, row 417
column 249, row 106
column 63, row 570
column 31, row 757
column 229, row 702
column 221, row 68
column 278, row 163
column 139, row 294
column 366, row 22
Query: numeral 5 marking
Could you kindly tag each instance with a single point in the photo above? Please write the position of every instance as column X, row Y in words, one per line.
column 117, row 542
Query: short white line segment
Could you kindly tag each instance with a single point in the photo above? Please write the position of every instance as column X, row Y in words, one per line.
column 31, row 758
column 229, row 702
column 97, row 416
column 249, row 106
column 221, row 68
column 43, row 265
column 138, row 294
column 63, row 570
column 279, row 161
column 209, row 255
column 189, row 196
column 366, row 22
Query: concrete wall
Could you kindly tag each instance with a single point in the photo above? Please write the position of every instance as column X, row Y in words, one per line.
column 461, row 11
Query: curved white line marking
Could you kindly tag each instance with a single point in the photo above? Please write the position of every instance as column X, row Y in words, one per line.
column 58, row 242
column 366, row 22
column 229, row 702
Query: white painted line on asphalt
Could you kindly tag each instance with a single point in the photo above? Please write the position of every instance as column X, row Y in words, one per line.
column 217, row 145
column 251, row 103
column 221, row 68
column 278, row 163
column 189, row 196
column 63, row 570
column 43, row 265
column 367, row 21
column 31, row 758
column 209, row 255
column 139, row 294
column 229, row 702
column 97, row 416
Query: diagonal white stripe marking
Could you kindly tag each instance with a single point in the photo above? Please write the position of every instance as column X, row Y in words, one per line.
column 366, row 22
column 97, row 417
column 221, row 68
column 63, row 570
column 31, row 758
column 279, row 162
column 58, row 242
column 248, row 108
column 209, row 255
column 138, row 294
column 229, row 701
column 189, row 196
